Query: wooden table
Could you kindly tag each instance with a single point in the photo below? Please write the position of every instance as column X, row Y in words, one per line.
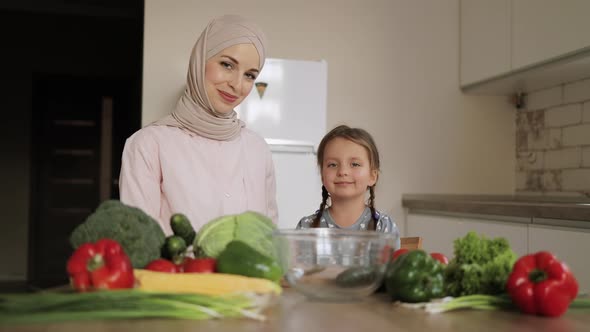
column 295, row 313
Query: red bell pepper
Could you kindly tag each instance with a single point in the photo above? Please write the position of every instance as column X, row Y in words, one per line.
column 440, row 257
column 398, row 253
column 100, row 265
column 541, row 284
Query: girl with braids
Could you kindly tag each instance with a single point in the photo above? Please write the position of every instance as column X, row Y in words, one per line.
column 349, row 164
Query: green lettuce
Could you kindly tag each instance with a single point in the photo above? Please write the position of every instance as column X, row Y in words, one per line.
column 480, row 266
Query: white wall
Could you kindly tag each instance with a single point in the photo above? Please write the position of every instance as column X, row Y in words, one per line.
column 393, row 70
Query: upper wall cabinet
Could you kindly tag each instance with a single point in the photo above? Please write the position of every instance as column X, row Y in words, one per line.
column 543, row 30
column 485, row 39
column 510, row 46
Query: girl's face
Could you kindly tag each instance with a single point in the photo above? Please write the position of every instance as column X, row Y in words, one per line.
column 230, row 75
column 346, row 170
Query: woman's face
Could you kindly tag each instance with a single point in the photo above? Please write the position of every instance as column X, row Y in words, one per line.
column 230, row 75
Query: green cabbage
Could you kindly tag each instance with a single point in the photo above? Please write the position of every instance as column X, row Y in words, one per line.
column 249, row 227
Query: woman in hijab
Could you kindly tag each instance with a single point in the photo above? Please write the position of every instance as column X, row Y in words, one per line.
column 201, row 160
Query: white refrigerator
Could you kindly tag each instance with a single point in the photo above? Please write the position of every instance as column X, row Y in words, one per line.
column 288, row 108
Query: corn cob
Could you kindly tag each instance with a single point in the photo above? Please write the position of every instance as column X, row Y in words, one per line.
column 202, row 283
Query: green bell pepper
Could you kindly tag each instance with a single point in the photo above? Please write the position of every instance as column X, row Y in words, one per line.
column 414, row 277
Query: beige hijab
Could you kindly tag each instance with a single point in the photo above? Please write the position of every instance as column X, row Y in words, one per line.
column 193, row 111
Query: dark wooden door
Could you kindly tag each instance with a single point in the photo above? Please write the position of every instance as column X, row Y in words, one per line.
column 76, row 161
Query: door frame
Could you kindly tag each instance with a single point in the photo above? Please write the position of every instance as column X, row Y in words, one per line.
column 132, row 122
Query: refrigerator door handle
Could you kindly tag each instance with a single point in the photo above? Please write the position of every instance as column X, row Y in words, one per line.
column 290, row 146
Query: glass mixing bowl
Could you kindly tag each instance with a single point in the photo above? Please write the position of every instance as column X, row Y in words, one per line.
column 334, row 264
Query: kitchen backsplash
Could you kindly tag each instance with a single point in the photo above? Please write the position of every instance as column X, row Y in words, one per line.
column 553, row 141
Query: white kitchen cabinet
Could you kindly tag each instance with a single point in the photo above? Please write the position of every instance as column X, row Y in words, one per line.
column 485, row 39
column 439, row 231
column 519, row 46
column 543, row 30
column 569, row 244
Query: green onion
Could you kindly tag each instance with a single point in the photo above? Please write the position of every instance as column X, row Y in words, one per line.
column 476, row 301
column 122, row 304
column 486, row 302
column 580, row 303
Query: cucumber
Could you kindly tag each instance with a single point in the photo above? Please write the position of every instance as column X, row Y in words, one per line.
column 182, row 227
column 356, row 277
column 174, row 248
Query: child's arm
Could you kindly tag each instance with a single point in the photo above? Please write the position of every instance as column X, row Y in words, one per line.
column 386, row 225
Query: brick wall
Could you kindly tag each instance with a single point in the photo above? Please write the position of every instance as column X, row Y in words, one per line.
column 553, row 141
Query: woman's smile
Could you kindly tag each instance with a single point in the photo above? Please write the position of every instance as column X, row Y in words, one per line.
column 229, row 98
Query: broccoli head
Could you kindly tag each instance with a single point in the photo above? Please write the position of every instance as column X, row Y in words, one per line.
column 139, row 234
column 480, row 266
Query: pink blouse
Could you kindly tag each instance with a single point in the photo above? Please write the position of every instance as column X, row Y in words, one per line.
column 167, row 170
